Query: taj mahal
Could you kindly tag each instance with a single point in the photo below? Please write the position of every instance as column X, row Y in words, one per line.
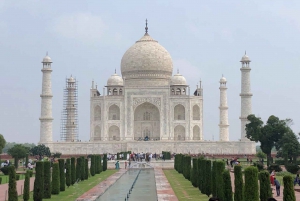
column 146, row 109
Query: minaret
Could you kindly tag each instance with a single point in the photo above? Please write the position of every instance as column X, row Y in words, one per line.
column 224, row 126
column 46, row 105
column 246, row 106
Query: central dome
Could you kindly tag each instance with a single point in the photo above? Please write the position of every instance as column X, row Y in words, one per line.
column 146, row 59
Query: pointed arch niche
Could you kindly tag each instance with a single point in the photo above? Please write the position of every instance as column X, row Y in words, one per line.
column 196, row 133
column 114, row 113
column 114, row 133
column 179, row 133
column 196, row 112
column 179, row 112
column 97, row 133
column 97, row 113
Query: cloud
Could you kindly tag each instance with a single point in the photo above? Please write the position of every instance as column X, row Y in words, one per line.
column 84, row 27
column 191, row 73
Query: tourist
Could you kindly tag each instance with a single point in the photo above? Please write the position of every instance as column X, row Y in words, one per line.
column 117, row 165
column 297, row 180
column 163, row 157
column 277, row 184
column 227, row 162
column 272, row 176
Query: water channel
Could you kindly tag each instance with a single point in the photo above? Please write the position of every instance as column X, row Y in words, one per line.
column 143, row 182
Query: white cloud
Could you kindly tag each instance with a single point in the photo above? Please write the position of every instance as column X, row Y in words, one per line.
column 191, row 73
column 84, row 27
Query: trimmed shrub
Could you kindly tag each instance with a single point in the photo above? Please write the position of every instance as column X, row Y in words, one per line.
column 259, row 166
column 82, row 174
column 55, row 179
column 17, row 177
column 62, row 178
column 104, row 162
column 73, row 171
column 92, row 168
column 68, row 172
column 213, row 178
column 279, row 161
column 78, row 169
column 100, row 164
column 26, row 189
column 12, row 185
column 238, row 183
column 38, row 189
column 167, row 155
column 288, row 191
column 292, row 168
column 199, row 165
column 251, row 184
column 86, row 163
column 5, row 170
column 26, row 160
column 208, row 181
column 0, row 180
column 275, row 167
column 187, row 167
column 264, row 185
column 47, row 179
column 220, row 166
column 97, row 164
column 194, row 175
column 227, row 186
column 30, row 173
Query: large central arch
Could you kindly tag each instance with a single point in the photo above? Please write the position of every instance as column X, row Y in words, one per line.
column 146, row 122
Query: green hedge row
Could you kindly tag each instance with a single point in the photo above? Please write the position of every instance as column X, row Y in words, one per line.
column 167, row 155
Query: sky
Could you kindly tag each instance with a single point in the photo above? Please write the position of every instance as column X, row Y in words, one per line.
column 206, row 39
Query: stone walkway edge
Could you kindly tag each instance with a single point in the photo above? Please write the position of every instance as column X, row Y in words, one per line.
column 102, row 187
column 163, row 187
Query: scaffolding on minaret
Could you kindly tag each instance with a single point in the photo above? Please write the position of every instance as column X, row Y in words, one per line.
column 69, row 115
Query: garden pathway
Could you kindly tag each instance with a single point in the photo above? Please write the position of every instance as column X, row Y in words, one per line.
column 163, row 187
column 20, row 186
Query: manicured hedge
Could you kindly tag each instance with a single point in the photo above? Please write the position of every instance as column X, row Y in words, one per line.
column 26, row 190
column 82, row 174
column 55, row 179
column 12, row 185
column 92, row 168
column 200, row 177
column 213, row 178
column 194, row 172
column 68, row 172
column 86, row 168
column 208, row 181
column 62, row 178
column 238, row 183
column 47, row 179
column 104, row 162
column 288, row 191
column 227, row 186
column 251, row 184
column 78, row 169
column 186, row 166
column 38, row 189
column 167, row 155
column 73, row 171
column 220, row 166
column 264, row 185
column 97, row 167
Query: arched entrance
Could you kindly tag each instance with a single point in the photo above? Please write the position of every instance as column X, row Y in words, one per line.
column 196, row 133
column 179, row 133
column 114, row 133
column 146, row 122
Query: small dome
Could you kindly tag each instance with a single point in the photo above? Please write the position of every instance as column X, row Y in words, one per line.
column 223, row 79
column 47, row 59
column 71, row 79
column 245, row 58
column 178, row 80
column 115, row 80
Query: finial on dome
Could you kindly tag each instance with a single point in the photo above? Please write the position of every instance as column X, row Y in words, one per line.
column 146, row 28
column 47, row 53
column 245, row 52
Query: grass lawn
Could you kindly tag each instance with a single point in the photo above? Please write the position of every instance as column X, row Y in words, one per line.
column 5, row 178
column 183, row 188
column 78, row 189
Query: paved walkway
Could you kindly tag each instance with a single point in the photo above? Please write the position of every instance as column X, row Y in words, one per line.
column 20, row 186
column 163, row 187
column 99, row 189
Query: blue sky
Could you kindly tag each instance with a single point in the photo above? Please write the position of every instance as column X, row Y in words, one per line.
column 205, row 39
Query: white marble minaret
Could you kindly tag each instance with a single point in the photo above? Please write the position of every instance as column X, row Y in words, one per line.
column 224, row 126
column 246, row 105
column 46, row 105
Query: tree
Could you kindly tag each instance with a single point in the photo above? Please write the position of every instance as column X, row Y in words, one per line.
column 104, row 162
column 40, row 150
column 97, row 164
column 47, row 179
column 68, row 172
column 92, row 168
column 208, row 181
column 82, row 174
column 2, row 143
column 220, row 166
column 17, row 152
column 264, row 186
column 260, row 154
column 269, row 134
column 62, row 178
column 227, row 186
column 238, row 183
column 78, row 169
column 38, row 189
column 73, row 171
column 288, row 190
column 289, row 147
column 194, row 173
column 251, row 184
column 12, row 185
column 213, row 178
column 86, row 163
column 26, row 190
column 55, row 179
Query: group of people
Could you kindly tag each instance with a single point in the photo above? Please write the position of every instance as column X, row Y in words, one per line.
column 5, row 163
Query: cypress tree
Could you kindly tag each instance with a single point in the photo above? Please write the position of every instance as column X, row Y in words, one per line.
column 26, row 160
column 100, row 164
column 12, row 185
column 199, row 163
column 188, row 167
column 238, row 183
column 251, row 184
column 16, row 164
column 47, row 179
column 86, row 163
column 73, row 171
column 264, row 185
column 96, row 165
column 194, row 173
column 227, row 186
column 68, row 172
column 82, row 174
column 220, row 166
column 104, row 162
column 55, row 179
column 92, row 168
column 208, row 181
column 26, row 190
column 62, row 178
column 213, row 178
column 175, row 161
column 78, row 169
column 38, row 189
column 288, row 191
